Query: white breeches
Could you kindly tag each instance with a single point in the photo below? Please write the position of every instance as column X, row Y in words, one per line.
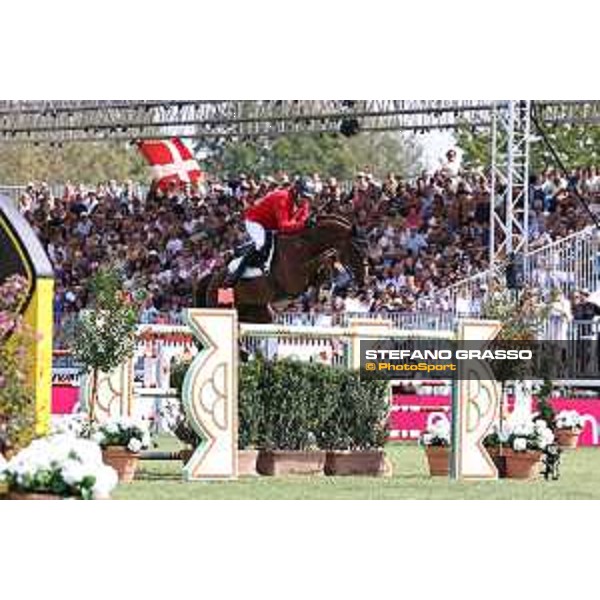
column 257, row 232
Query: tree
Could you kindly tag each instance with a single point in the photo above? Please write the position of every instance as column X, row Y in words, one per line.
column 326, row 153
column 576, row 146
column 103, row 337
column 81, row 162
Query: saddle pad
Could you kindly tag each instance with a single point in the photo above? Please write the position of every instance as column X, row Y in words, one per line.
column 252, row 272
column 249, row 272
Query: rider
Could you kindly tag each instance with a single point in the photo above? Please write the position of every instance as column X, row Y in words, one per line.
column 285, row 210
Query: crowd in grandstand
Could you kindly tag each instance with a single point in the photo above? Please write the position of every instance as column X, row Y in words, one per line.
column 423, row 234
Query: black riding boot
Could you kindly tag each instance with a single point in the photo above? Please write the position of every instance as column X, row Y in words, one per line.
column 247, row 259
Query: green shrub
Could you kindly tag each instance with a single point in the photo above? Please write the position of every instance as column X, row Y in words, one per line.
column 360, row 418
column 250, row 406
column 297, row 399
column 291, row 405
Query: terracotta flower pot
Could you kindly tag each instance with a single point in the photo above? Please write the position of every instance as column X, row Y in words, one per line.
column 522, row 465
column 122, row 461
column 438, row 458
column 567, row 438
column 498, row 457
column 291, row 462
column 247, row 460
column 355, row 462
column 31, row 496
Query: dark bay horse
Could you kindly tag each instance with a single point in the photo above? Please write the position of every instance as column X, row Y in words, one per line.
column 298, row 262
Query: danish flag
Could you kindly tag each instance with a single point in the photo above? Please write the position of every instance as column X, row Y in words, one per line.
column 170, row 162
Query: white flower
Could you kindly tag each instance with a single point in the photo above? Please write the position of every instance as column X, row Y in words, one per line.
column 64, row 456
column 88, row 452
column 427, row 439
column 540, row 425
column 545, row 438
column 98, row 437
column 73, row 472
column 526, row 428
column 135, row 445
column 439, row 431
column 111, row 427
column 519, row 444
column 569, row 419
column 106, row 481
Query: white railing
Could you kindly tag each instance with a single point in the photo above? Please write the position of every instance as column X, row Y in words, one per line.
column 399, row 320
column 12, row 191
column 571, row 263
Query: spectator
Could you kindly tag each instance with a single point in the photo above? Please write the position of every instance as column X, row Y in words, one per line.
column 423, row 235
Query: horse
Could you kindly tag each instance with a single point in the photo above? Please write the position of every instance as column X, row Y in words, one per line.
column 299, row 261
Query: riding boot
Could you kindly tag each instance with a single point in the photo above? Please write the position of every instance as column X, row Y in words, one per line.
column 232, row 278
column 265, row 252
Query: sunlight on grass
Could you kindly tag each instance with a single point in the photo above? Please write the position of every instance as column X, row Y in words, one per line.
column 580, row 479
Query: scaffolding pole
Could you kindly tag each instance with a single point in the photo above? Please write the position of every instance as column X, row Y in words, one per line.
column 509, row 197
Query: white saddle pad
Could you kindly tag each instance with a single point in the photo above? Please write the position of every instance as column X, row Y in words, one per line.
column 249, row 272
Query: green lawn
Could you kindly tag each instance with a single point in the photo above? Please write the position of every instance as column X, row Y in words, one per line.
column 580, row 479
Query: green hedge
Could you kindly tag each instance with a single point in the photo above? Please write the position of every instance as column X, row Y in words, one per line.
column 292, row 405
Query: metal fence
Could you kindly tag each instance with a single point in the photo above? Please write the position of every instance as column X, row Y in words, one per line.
column 568, row 264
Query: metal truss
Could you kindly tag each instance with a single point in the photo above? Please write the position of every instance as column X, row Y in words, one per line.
column 509, row 209
column 57, row 121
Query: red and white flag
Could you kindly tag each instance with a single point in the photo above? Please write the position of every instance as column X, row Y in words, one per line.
column 170, row 162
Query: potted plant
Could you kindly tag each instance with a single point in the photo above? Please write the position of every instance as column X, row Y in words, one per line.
column 357, row 428
column 294, row 407
column 527, row 442
column 568, row 426
column 496, row 444
column 103, row 337
column 121, row 440
column 436, row 441
column 521, row 316
column 17, row 398
column 57, row 467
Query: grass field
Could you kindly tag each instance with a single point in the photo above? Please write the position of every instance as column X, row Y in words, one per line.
column 580, row 479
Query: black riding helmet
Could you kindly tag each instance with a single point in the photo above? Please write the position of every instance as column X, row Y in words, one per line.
column 304, row 188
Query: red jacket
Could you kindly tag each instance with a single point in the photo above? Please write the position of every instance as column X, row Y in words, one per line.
column 276, row 212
